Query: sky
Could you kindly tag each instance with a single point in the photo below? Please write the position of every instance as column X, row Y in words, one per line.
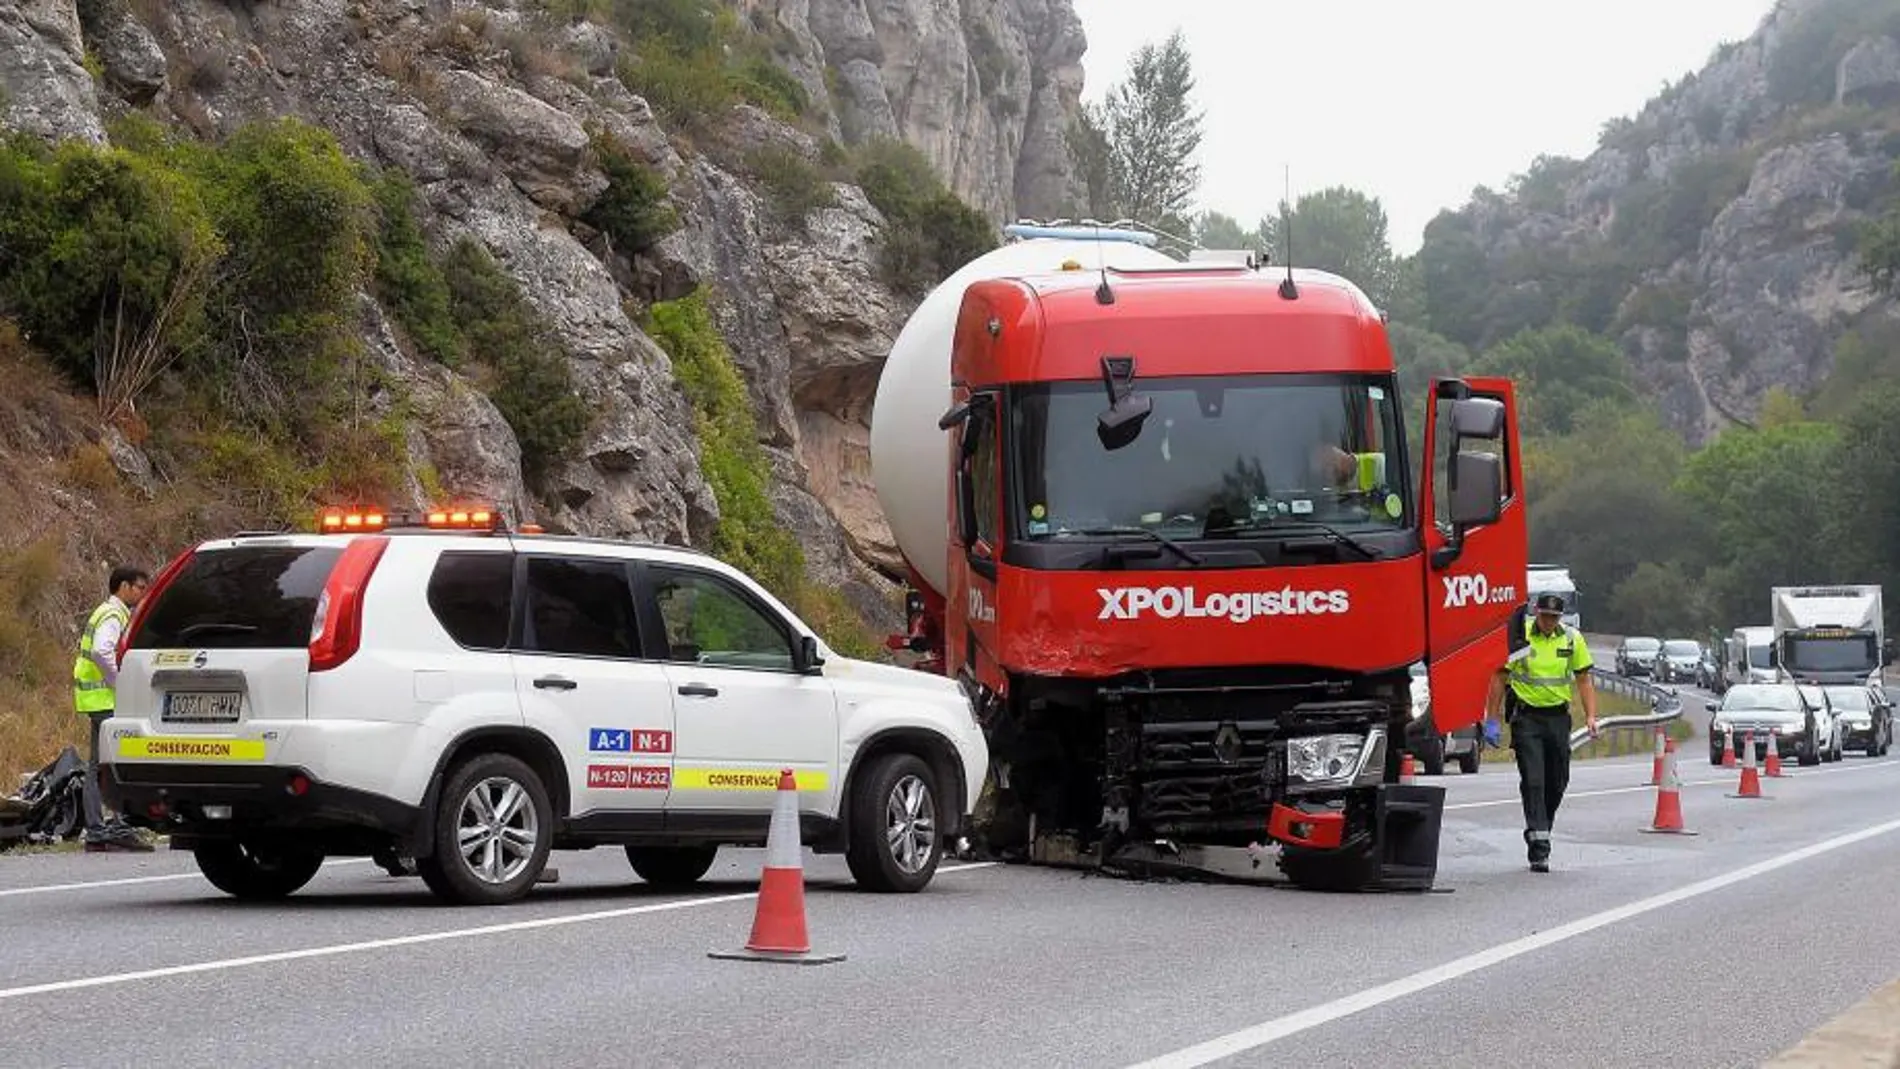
column 1414, row 102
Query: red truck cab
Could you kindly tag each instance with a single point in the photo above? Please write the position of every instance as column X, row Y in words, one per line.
column 1190, row 566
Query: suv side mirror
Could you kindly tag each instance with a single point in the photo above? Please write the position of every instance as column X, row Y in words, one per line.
column 809, row 660
column 1711, row 706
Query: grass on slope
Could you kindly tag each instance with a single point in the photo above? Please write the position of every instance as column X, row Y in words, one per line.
column 1608, row 743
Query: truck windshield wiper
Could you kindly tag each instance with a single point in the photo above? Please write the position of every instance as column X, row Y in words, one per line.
column 214, row 626
column 1339, row 537
column 1185, row 553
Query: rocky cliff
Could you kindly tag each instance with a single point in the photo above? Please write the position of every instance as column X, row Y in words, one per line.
column 496, row 110
column 1713, row 234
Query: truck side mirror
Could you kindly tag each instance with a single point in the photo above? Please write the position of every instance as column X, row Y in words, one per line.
column 1477, row 417
column 1476, row 489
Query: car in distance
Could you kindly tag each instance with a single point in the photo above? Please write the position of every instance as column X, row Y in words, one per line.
column 1800, row 715
column 1866, row 717
column 1636, row 655
column 1679, row 661
column 443, row 688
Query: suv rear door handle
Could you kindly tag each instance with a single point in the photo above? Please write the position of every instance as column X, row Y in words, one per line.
column 699, row 690
column 555, row 683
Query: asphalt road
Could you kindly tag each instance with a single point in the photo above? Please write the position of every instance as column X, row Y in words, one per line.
column 1718, row 949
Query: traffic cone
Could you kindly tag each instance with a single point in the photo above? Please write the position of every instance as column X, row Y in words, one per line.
column 1406, row 769
column 1656, row 771
column 1668, row 818
column 1751, row 779
column 778, row 924
column 1774, row 754
column 1728, row 747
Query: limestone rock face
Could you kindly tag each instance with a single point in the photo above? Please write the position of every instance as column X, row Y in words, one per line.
column 495, row 112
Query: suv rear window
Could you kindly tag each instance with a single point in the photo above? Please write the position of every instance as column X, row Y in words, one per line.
column 248, row 597
column 472, row 595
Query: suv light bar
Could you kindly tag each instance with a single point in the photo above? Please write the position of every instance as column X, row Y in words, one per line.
column 353, row 519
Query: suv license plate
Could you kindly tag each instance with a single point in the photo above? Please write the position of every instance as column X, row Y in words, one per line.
column 214, row 707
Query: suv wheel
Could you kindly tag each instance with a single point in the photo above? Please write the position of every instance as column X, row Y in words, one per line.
column 493, row 830
column 671, row 866
column 257, row 871
column 895, row 837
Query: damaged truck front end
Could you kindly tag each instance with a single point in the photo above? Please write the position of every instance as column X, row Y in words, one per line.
column 1170, row 768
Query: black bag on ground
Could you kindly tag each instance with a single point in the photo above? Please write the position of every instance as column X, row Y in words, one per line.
column 50, row 807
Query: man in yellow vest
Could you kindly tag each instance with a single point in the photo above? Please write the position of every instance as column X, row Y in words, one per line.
column 1549, row 664
column 95, row 674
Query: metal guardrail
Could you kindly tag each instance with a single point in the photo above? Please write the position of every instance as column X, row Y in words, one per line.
column 1630, row 734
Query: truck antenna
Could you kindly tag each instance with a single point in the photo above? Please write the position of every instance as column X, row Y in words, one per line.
column 1103, row 294
column 1288, row 290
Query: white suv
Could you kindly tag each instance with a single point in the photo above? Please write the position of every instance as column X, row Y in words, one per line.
column 446, row 689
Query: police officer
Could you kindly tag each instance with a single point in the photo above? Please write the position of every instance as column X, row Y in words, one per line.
column 1548, row 662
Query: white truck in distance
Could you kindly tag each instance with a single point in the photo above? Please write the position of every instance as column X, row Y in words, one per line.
column 1828, row 634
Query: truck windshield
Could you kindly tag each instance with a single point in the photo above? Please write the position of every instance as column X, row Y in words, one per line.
column 1218, row 455
column 1855, row 654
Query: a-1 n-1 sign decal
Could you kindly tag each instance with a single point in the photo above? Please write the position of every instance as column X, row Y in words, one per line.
column 626, row 740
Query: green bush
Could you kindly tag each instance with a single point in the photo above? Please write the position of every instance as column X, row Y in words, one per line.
column 633, row 211
column 694, row 59
column 409, row 283
column 685, row 91
column 526, row 371
column 103, row 242
column 794, row 187
column 749, row 535
column 929, row 232
column 761, row 82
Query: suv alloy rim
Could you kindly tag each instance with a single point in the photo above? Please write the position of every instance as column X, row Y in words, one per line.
column 911, row 819
column 497, row 829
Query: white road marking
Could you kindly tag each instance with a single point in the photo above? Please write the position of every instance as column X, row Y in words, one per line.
column 401, row 941
column 1730, row 780
column 130, row 880
column 1260, row 1035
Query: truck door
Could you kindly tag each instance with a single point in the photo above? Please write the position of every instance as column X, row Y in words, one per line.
column 1472, row 512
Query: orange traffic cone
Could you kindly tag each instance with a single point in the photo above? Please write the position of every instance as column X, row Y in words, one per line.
column 1668, row 818
column 1773, row 770
column 1406, row 769
column 1656, row 770
column 1728, row 747
column 778, row 925
column 1751, row 779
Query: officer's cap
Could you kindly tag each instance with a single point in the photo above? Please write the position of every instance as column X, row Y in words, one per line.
column 1550, row 603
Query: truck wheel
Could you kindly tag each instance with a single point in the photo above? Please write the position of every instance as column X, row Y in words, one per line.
column 671, row 866
column 896, row 839
column 1468, row 762
column 257, row 871
column 493, row 830
column 1351, row 869
column 1432, row 755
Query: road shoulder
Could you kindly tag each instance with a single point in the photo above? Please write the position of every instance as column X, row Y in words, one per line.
column 1868, row 1036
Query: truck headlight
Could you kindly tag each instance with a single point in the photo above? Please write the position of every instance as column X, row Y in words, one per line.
column 1330, row 760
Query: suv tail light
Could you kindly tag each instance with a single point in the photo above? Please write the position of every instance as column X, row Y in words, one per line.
column 337, row 628
column 152, row 594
